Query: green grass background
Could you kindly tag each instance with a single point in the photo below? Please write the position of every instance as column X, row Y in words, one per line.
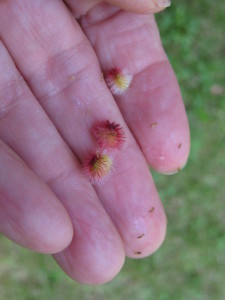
column 191, row 263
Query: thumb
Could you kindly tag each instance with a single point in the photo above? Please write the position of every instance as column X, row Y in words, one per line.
column 141, row 6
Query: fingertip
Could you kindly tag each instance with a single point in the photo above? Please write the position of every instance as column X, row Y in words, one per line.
column 158, row 236
column 48, row 229
column 95, row 268
column 93, row 258
column 151, row 242
column 169, row 157
column 110, row 268
column 174, row 171
column 56, row 236
column 143, row 6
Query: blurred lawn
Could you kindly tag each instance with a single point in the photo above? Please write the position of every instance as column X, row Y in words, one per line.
column 191, row 263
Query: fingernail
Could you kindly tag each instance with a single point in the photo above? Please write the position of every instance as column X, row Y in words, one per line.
column 163, row 3
column 179, row 169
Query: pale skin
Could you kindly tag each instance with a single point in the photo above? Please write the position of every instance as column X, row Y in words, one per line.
column 51, row 92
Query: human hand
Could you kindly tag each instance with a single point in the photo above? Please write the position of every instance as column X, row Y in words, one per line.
column 45, row 200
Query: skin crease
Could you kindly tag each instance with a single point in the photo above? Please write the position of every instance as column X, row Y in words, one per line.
column 62, row 71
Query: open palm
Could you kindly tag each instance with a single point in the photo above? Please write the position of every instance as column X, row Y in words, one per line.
column 51, row 92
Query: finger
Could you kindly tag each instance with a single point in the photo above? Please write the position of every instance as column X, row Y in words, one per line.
column 30, row 214
column 152, row 106
column 141, row 6
column 26, row 128
column 74, row 89
column 81, row 7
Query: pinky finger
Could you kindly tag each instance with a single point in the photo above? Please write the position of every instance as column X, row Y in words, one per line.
column 30, row 214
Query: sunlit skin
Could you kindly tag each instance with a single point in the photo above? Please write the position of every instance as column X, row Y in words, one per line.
column 51, row 93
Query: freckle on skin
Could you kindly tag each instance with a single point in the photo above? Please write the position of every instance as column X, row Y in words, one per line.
column 153, row 125
column 138, row 252
column 141, row 236
column 152, row 209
